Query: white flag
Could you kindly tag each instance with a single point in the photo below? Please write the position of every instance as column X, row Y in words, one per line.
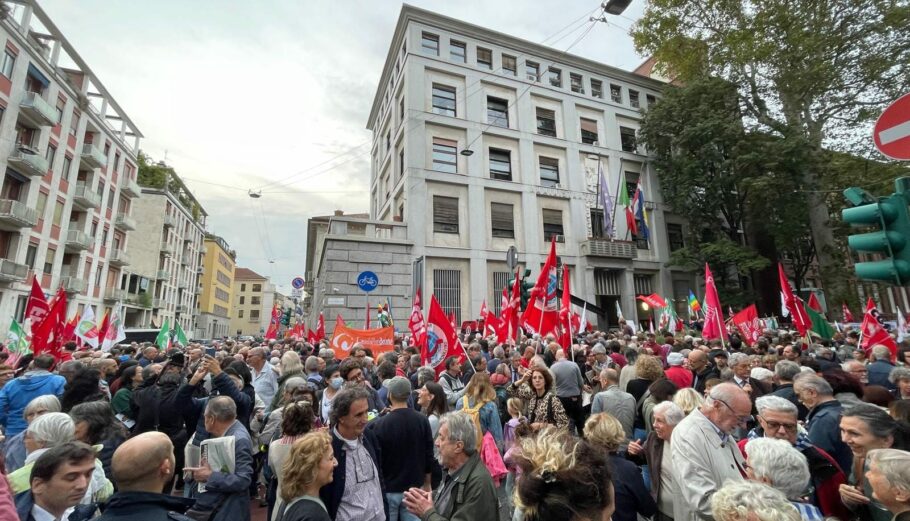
column 86, row 330
column 902, row 332
column 784, row 312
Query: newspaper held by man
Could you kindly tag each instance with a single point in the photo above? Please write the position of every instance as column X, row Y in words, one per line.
column 219, row 454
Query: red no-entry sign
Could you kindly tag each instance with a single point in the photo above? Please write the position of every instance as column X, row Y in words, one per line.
column 892, row 130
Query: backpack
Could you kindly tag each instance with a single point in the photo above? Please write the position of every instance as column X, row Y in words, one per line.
column 474, row 413
column 502, row 399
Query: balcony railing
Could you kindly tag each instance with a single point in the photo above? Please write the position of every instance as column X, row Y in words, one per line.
column 119, row 258
column 85, row 198
column 92, row 156
column 163, row 275
column 169, row 221
column 15, row 215
column 181, row 309
column 130, row 188
column 608, row 248
column 36, row 112
column 116, row 295
column 27, row 162
column 12, row 271
column 158, row 303
column 72, row 285
column 125, row 222
column 167, row 249
column 77, row 241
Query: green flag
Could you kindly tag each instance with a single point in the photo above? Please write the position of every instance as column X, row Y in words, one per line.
column 179, row 335
column 17, row 341
column 163, row 340
column 819, row 325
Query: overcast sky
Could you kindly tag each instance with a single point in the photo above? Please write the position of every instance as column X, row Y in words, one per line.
column 268, row 95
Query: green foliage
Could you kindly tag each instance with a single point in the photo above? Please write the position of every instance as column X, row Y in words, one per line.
column 161, row 176
column 726, row 259
column 145, row 300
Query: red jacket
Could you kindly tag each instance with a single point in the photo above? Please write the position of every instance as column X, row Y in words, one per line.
column 679, row 375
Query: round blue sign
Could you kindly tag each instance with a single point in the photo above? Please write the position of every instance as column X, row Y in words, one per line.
column 367, row 281
column 297, row 283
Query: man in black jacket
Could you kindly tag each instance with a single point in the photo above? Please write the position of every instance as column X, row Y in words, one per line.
column 702, row 369
column 144, row 467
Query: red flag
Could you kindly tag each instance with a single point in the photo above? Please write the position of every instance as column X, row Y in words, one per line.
column 320, row 328
column 654, row 300
column 452, row 320
column 47, row 336
column 713, row 327
column 105, row 324
column 339, row 321
column 508, row 329
column 542, row 314
column 311, row 337
column 37, row 306
column 565, row 309
column 748, row 324
column 441, row 340
column 814, row 304
column 848, row 316
column 873, row 331
column 274, row 324
column 366, row 322
column 69, row 330
column 416, row 323
column 491, row 323
column 801, row 320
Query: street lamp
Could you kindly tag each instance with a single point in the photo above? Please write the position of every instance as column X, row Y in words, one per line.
column 616, row 6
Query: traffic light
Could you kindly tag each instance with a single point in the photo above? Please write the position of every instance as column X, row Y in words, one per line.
column 891, row 214
column 286, row 318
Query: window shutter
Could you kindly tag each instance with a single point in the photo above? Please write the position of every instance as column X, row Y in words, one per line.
column 501, row 216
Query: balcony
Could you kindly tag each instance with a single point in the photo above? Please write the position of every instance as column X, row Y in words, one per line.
column 73, row 285
column 14, row 215
column 92, row 156
column 158, row 303
column 182, row 284
column 167, row 249
column 608, row 248
column 163, row 275
column 77, row 241
column 181, row 309
column 12, row 271
column 199, row 270
column 36, row 112
column 130, row 188
column 85, row 198
column 119, row 258
column 115, row 295
column 169, row 221
column 26, row 161
column 125, row 222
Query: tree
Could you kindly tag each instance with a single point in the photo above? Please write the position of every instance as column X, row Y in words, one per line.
column 809, row 71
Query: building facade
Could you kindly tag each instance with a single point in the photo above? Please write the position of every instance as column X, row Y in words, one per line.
column 216, row 288
column 172, row 226
column 68, row 153
column 482, row 141
column 254, row 296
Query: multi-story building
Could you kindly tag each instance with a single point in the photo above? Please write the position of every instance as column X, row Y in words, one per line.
column 171, row 223
column 68, row 153
column 254, row 296
column 216, row 288
column 317, row 228
column 482, row 141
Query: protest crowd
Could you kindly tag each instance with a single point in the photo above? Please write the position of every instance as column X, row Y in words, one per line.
column 696, row 420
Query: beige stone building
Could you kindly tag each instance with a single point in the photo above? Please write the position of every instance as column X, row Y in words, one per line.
column 254, row 295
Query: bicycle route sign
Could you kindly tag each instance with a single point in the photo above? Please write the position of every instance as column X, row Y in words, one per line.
column 367, row 281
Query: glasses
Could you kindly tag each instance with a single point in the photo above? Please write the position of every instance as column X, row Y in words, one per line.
column 740, row 419
column 775, row 426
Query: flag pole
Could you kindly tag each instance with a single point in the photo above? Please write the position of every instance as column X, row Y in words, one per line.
column 613, row 217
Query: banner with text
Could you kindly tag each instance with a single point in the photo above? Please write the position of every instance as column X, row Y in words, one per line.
column 379, row 341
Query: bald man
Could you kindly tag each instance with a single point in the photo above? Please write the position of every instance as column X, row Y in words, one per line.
column 143, row 467
column 702, row 369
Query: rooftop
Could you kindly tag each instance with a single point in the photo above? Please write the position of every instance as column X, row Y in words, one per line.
column 247, row 274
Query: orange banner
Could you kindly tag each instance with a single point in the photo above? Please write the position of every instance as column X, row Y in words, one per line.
column 376, row 340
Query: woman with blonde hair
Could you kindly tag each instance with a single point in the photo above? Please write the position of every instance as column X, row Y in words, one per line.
column 308, row 468
column 688, row 399
column 296, row 422
column 480, row 399
column 632, row 498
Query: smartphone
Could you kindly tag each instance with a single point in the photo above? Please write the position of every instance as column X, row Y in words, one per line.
column 210, row 351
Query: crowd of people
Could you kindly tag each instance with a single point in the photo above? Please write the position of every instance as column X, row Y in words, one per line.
column 620, row 426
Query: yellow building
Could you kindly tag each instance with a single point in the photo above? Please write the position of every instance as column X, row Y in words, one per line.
column 216, row 288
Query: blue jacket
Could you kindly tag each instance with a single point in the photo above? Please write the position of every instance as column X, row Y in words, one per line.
column 823, row 425
column 489, row 419
column 878, row 374
column 25, row 502
column 16, row 395
column 229, row 493
column 632, row 497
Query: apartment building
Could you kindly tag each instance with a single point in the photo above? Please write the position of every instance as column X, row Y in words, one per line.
column 68, row 153
column 254, row 296
column 171, row 223
column 482, row 141
column 216, row 289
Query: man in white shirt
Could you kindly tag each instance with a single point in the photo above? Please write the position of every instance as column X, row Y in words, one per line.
column 265, row 379
column 58, row 483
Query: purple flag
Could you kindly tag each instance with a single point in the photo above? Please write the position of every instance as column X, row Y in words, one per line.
column 606, row 202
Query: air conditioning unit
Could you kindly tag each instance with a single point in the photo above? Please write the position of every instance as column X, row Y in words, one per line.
column 27, row 149
column 560, row 238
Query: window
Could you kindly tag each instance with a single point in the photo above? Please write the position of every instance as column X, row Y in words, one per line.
column 597, row 88
column 675, row 236
column 502, row 221
column 98, row 271
column 532, row 71
column 445, row 214
column 243, row 287
column 577, row 85
column 443, row 100
column 616, row 93
column 94, row 228
column 239, row 313
column 8, row 61
column 49, row 260
column 509, row 64
column 555, row 76
column 500, row 164
column 61, row 106
column 74, row 123
column 484, row 58
column 549, row 171
column 546, row 122
column 651, row 100
column 254, row 314
column 445, row 157
column 41, row 205
column 457, row 51
column 257, row 288
column 51, row 154
column 388, row 141
column 447, row 290
column 242, row 300
column 588, row 131
column 552, row 223
column 58, row 213
column 498, row 112
column 500, row 282
column 255, row 301
column 633, row 99
column 430, row 44
column 401, row 163
column 627, row 138
column 597, row 223
column 110, row 199
column 30, row 253
column 67, row 163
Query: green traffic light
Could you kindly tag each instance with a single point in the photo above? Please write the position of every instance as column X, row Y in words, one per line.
column 892, row 216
